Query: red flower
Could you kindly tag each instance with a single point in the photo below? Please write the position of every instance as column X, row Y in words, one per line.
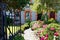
column 42, row 38
column 56, row 34
column 52, row 28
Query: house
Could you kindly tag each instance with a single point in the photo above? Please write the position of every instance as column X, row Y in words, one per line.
column 27, row 14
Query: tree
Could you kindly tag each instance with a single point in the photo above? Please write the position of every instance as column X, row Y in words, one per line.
column 16, row 3
column 51, row 3
column 37, row 6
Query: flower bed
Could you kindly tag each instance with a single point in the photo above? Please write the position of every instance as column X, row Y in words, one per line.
column 46, row 32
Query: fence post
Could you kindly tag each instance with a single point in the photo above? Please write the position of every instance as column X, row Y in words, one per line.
column 4, row 28
column 2, row 25
column 20, row 21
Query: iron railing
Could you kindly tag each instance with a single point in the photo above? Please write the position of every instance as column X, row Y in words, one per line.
column 10, row 26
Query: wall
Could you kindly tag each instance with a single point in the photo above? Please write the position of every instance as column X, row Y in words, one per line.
column 58, row 16
column 33, row 16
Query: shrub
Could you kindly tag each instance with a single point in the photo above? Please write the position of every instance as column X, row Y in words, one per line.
column 9, row 21
column 24, row 26
column 17, row 37
column 51, row 21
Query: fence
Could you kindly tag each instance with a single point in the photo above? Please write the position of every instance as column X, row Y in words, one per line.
column 1, row 26
column 9, row 25
column 13, row 25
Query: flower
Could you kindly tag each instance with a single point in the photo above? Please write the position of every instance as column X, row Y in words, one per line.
column 42, row 30
column 46, row 38
column 52, row 28
column 35, row 25
column 44, row 26
column 56, row 34
column 42, row 38
column 46, row 35
column 39, row 31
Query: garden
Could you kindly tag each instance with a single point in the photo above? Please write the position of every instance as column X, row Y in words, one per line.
column 42, row 31
column 45, row 25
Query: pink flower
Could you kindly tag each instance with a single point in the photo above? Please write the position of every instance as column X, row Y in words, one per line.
column 44, row 26
column 52, row 28
column 42, row 30
column 46, row 38
column 39, row 31
column 56, row 34
column 36, row 25
column 46, row 35
column 42, row 38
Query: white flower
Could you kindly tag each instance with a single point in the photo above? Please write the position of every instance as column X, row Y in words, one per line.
column 30, row 35
column 54, row 38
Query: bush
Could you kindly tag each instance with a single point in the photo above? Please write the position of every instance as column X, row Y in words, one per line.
column 53, row 30
column 24, row 26
column 17, row 37
column 51, row 21
column 9, row 21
